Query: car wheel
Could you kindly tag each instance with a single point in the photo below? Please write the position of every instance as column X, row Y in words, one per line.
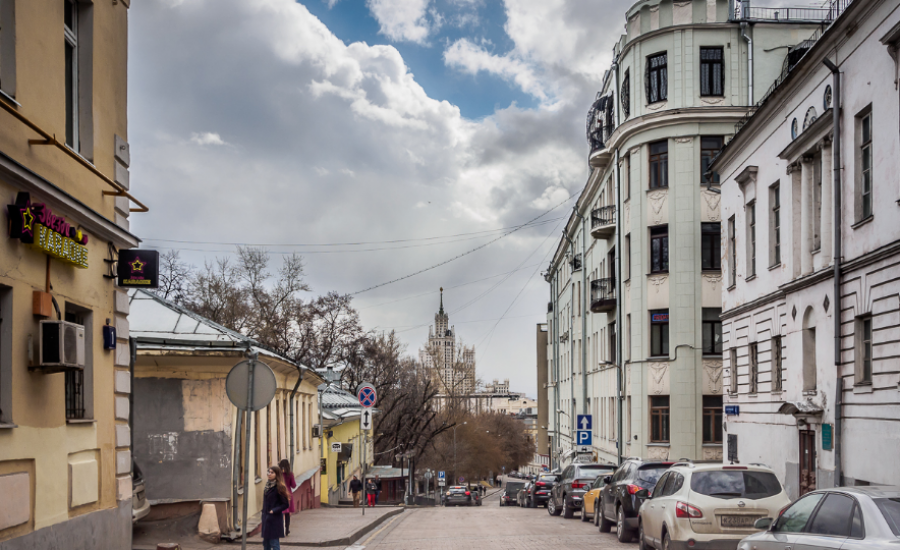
column 667, row 542
column 596, row 512
column 604, row 524
column 551, row 508
column 641, row 544
column 584, row 515
column 622, row 533
column 568, row 511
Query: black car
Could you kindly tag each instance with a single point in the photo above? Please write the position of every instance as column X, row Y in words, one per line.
column 567, row 494
column 539, row 492
column 510, row 492
column 459, row 495
column 619, row 503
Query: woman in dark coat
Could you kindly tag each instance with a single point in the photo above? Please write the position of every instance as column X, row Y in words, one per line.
column 275, row 501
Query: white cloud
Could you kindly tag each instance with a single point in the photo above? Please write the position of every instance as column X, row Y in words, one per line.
column 207, row 138
column 471, row 58
column 402, row 20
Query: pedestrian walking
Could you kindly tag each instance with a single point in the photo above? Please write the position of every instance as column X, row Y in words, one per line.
column 371, row 492
column 291, row 485
column 355, row 487
column 275, row 501
column 377, row 488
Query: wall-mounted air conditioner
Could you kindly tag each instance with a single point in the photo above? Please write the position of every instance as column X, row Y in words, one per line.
column 60, row 346
column 317, row 431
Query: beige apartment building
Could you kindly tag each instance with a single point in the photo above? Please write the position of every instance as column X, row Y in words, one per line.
column 65, row 458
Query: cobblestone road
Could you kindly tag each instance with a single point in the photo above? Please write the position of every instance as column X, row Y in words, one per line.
column 487, row 527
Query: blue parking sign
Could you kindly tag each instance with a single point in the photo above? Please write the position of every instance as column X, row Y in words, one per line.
column 583, row 437
column 442, row 475
column 584, row 422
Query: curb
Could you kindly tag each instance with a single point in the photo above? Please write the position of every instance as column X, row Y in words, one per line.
column 348, row 540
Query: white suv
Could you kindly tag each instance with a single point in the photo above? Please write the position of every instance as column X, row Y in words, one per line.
column 707, row 506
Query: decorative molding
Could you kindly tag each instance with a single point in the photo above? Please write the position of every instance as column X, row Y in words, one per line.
column 657, row 202
column 682, row 4
column 658, row 281
column 634, row 150
column 714, row 376
column 657, row 452
column 712, row 203
column 688, row 139
column 627, row 215
column 659, row 105
column 657, row 376
column 712, row 100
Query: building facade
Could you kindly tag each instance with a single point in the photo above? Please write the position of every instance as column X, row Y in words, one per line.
column 636, row 281
column 65, row 458
column 811, row 345
column 451, row 366
column 341, row 424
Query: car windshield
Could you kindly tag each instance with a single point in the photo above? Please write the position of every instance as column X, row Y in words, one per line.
column 547, row 477
column 731, row 484
column 649, row 475
column 890, row 509
column 457, row 489
column 591, row 472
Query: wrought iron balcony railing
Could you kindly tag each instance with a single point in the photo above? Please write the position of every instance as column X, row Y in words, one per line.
column 603, row 294
column 605, row 215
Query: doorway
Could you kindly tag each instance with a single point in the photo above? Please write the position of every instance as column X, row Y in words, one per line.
column 807, row 461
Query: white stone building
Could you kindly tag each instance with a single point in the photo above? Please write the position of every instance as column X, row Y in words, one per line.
column 819, row 418
column 451, row 366
column 631, row 261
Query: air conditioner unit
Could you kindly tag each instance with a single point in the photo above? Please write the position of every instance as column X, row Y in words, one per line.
column 317, row 431
column 60, row 346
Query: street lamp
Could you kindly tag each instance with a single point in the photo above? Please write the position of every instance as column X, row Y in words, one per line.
column 454, row 447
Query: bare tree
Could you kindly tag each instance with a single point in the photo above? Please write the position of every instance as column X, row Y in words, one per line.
column 174, row 277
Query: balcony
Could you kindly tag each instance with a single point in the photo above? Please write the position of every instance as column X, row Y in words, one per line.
column 549, row 307
column 603, row 295
column 603, row 222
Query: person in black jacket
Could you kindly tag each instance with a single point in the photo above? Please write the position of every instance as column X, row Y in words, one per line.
column 355, row 487
column 276, row 500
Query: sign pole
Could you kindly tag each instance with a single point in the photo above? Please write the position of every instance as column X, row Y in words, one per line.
column 252, row 367
column 365, row 444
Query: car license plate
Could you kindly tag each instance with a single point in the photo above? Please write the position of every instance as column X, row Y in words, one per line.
column 738, row 521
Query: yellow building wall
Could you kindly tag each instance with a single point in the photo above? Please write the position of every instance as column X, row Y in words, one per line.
column 346, row 432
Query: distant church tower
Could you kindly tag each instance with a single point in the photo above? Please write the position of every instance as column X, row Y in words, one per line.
column 452, row 369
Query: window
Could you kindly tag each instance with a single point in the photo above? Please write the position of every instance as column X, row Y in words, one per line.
column 71, row 36
column 626, row 168
column 8, row 47
column 628, row 337
column 751, row 239
column 777, row 373
column 810, row 372
column 657, row 78
column 626, row 268
column 659, row 164
column 712, row 331
column 612, row 342
column 732, row 362
column 6, row 294
column 711, row 247
column 79, row 384
column 817, row 203
column 775, row 229
column 732, row 254
column 709, row 148
column 795, row 518
column 834, row 517
column 78, row 78
column 864, row 156
column 659, row 419
column 659, row 332
column 752, row 351
column 659, row 249
column 712, row 419
column 712, row 75
column 864, row 350
column 625, row 94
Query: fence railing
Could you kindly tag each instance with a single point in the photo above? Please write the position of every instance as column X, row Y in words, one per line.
column 603, row 290
column 605, row 215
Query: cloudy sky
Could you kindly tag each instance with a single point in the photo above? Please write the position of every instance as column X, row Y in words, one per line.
column 415, row 130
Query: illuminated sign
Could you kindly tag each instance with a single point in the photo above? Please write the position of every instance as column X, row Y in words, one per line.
column 36, row 225
column 659, row 317
column 138, row 268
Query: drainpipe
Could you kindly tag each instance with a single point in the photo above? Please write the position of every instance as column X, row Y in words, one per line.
column 572, row 334
column 620, row 307
column 836, row 147
column 293, row 393
column 584, row 301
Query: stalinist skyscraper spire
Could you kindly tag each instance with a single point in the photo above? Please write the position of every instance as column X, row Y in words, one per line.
column 452, row 366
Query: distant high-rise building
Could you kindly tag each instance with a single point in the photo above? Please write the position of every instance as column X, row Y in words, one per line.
column 451, row 366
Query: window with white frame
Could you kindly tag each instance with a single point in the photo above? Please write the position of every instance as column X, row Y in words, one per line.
column 70, row 31
column 864, row 181
column 775, row 224
column 8, row 47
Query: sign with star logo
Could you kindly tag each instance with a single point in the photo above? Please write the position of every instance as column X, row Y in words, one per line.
column 33, row 223
column 138, row 268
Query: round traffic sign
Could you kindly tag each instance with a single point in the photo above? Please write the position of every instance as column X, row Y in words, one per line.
column 462, row 479
column 236, row 385
column 367, row 396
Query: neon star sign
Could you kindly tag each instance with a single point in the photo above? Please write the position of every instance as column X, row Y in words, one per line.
column 36, row 225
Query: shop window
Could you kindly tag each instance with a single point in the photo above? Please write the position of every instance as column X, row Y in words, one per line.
column 79, row 383
column 659, row 164
column 659, row 249
column 711, row 246
column 657, row 77
column 863, row 351
column 659, row 333
column 712, row 419
column 712, row 73
column 659, row 419
column 709, row 148
column 712, row 331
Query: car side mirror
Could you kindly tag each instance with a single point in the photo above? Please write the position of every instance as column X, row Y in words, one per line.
column 762, row 523
column 607, row 480
column 643, row 494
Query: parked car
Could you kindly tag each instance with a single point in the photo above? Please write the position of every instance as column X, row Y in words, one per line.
column 510, row 493
column 539, row 492
column 522, row 495
column 140, row 506
column 567, row 494
column 458, row 495
column 710, row 506
column 619, row 504
column 592, row 497
column 850, row 518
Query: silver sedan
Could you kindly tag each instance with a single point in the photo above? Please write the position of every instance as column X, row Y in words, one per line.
column 846, row 518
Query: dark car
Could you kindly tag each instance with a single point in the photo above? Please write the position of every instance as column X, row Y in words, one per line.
column 567, row 494
column 539, row 492
column 458, row 495
column 619, row 503
column 510, row 492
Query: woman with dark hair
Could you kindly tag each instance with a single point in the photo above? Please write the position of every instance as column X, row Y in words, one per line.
column 275, row 502
column 291, row 484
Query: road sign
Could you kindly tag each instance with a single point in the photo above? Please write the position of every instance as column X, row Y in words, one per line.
column 462, row 480
column 238, row 381
column 732, row 410
column 584, row 449
column 442, row 482
column 583, row 422
column 366, row 394
column 428, row 474
column 583, row 437
column 442, row 474
column 335, row 447
column 365, row 420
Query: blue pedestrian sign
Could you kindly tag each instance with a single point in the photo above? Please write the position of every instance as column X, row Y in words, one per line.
column 583, row 422
column 442, row 475
column 583, row 437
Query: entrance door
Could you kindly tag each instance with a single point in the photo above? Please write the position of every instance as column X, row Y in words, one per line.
column 807, row 461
